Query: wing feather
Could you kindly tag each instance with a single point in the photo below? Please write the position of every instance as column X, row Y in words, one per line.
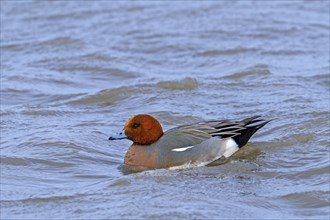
column 219, row 128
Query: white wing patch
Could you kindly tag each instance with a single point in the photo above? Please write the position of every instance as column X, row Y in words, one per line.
column 182, row 149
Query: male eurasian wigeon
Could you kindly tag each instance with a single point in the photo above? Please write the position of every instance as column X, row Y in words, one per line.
column 194, row 144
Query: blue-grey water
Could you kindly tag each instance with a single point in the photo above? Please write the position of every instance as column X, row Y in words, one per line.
column 72, row 72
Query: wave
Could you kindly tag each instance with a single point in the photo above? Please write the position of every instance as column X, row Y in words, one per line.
column 110, row 96
column 260, row 70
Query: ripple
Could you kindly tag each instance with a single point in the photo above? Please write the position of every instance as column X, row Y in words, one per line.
column 61, row 42
column 87, row 63
column 32, row 97
column 106, row 97
column 120, row 183
column 234, row 51
column 323, row 79
column 34, row 200
column 286, row 52
column 15, row 161
column 313, row 199
column 255, row 71
column 111, row 96
column 187, row 83
column 12, row 47
column 291, row 140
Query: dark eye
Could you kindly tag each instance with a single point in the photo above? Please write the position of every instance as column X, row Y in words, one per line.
column 136, row 125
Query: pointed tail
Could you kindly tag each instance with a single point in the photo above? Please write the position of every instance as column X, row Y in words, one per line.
column 252, row 125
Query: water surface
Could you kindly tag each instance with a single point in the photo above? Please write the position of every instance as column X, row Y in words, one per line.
column 72, row 72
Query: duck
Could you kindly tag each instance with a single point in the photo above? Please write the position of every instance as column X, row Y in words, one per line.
column 196, row 144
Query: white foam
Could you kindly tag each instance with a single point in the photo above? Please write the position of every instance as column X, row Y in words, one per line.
column 188, row 165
